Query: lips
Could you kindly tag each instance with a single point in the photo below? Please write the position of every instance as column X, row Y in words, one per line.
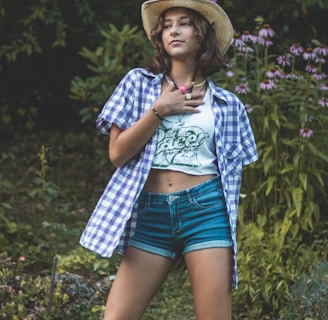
column 173, row 42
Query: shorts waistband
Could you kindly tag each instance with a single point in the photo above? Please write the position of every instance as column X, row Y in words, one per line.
column 206, row 186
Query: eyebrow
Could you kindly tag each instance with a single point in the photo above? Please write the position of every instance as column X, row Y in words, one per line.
column 180, row 18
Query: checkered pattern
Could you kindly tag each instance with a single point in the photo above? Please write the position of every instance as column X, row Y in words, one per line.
column 113, row 220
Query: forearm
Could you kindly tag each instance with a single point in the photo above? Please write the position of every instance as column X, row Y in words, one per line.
column 124, row 145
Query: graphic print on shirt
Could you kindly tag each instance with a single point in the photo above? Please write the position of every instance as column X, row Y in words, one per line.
column 179, row 146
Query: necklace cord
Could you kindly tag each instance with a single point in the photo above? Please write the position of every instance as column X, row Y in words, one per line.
column 171, row 81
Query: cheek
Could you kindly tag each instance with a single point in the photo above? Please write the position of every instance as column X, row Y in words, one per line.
column 165, row 42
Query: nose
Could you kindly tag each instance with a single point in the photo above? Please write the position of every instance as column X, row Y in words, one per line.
column 174, row 31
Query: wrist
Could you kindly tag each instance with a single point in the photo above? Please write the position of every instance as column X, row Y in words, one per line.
column 156, row 113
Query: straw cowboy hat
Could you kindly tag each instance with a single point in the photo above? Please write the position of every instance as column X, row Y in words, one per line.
column 152, row 9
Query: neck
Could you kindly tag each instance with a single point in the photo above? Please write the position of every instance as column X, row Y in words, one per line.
column 183, row 72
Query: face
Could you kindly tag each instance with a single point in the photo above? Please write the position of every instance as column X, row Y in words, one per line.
column 178, row 34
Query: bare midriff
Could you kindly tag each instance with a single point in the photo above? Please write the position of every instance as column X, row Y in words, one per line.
column 168, row 181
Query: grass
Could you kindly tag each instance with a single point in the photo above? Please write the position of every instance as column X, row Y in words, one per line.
column 48, row 197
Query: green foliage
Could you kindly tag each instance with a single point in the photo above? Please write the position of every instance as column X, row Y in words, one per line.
column 290, row 128
column 282, row 228
column 120, row 51
column 24, row 297
column 43, row 188
column 81, row 261
column 309, row 296
column 268, row 267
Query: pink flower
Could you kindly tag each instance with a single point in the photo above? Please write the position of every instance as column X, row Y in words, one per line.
column 22, row 258
column 284, row 60
column 237, row 41
column 311, row 68
column 320, row 60
column 273, row 73
column 306, row 132
column 323, row 102
column 244, row 50
column 256, row 39
column 248, row 107
column 308, row 54
column 242, row 88
column 296, row 49
column 267, row 84
column 265, row 42
column 247, row 37
column 318, row 76
column 266, row 31
column 324, row 86
column 321, row 51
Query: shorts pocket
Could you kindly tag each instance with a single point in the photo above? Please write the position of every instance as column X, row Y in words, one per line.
column 210, row 199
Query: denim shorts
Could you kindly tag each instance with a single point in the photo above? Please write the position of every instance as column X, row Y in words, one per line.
column 172, row 225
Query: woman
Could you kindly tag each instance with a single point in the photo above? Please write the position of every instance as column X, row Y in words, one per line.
column 179, row 143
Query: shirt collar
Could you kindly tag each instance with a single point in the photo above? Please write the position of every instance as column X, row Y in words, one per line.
column 216, row 91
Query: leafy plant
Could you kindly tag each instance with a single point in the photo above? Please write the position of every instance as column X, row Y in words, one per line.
column 268, row 268
column 43, row 188
column 120, row 51
column 309, row 296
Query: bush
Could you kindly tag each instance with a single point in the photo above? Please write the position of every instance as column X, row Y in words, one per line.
column 268, row 268
column 309, row 296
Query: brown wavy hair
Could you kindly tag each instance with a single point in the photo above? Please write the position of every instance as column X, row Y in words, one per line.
column 209, row 59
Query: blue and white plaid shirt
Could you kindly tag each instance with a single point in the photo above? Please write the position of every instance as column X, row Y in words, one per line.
column 114, row 218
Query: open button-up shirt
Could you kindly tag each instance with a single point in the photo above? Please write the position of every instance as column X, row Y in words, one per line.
column 113, row 220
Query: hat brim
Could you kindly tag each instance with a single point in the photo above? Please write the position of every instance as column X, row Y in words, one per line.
column 212, row 12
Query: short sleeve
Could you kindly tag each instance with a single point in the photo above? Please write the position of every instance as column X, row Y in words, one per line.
column 118, row 109
column 248, row 143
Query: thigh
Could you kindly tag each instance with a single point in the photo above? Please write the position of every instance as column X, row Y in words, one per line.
column 138, row 278
column 210, row 272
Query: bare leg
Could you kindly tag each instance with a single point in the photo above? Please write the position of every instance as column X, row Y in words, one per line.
column 140, row 276
column 210, row 272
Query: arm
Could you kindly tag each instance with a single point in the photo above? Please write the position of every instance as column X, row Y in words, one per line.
column 125, row 144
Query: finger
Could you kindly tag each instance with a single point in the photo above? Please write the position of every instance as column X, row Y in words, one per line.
column 191, row 109
column 169, row 88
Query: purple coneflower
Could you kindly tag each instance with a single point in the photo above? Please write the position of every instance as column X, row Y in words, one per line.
column 324, row 86
column 321, row 50
column 308, row 54
column 248, row 107
column 245, row 50
column 267, row 84
column 306, row 132
column 318, row 76
column 323, row 102
column 264, row 42
column 273, row 73
column 311, row 68
column 247, row 37
column 296, row 49
column 236, row 41
column 284, row 60
column 242, row 88
column 266, row 31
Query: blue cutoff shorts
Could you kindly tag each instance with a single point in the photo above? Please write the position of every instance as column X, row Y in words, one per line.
column 172, row 225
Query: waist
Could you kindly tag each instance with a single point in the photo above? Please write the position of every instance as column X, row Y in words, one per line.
column 169, row 181
column 201, row 188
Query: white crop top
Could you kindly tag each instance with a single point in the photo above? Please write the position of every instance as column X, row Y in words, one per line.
column 186, row 142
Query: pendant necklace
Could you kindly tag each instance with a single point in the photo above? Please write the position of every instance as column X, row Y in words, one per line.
column 185, row 90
